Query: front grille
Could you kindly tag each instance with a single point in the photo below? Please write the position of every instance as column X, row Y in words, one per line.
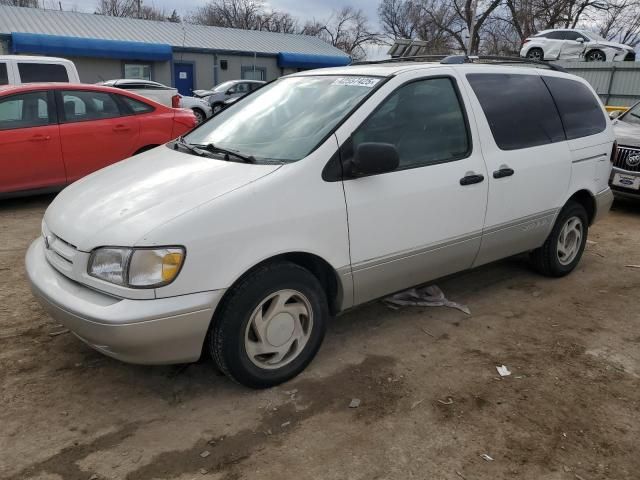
column 628, row 158
column 59, row 252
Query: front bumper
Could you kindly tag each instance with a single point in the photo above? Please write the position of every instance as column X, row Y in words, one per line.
column 621, row 192
column 157, row 331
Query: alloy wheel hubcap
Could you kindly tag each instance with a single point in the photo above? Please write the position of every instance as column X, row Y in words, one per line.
column 278, row 329
column 569, row 241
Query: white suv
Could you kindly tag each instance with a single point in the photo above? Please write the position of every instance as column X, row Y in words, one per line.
column 322, row 191
column 572, row 44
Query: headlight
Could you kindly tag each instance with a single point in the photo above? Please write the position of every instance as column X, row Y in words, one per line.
column 136, row 267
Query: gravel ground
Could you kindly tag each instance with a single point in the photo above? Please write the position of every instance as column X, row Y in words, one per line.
column 431, row 401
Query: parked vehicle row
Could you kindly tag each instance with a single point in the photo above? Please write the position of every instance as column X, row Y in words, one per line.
column 243, row 237
column 164, row 95
column 54, row 134
column 574, row 44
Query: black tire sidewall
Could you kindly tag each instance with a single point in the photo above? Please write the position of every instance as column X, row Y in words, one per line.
column 530, row 57
column 571, row 210
column 229, row 330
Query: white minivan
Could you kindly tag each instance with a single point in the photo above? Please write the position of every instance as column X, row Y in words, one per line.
column 19, row 69
column 319, row 192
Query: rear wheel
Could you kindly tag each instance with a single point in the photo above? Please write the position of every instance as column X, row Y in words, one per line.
column 200, row 116
column 563, row 249
column 535, row 54
column 270, row 326
column 596, row 56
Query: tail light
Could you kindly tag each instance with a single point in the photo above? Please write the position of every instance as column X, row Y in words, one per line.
column 614, row 152
column 175, row 101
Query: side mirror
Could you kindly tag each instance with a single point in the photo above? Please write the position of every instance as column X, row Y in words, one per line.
column 615, row 114
column 373, row 158
column 580, row 40
column 231, row 91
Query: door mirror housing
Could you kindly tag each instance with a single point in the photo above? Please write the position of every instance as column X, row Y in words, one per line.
column 580, row 40
column 373, row 158
column 615, row 114
column 231, row 91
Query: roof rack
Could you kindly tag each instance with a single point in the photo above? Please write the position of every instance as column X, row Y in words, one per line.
column 461, row 59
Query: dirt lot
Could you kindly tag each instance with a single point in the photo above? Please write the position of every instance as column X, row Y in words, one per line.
column 431, row 400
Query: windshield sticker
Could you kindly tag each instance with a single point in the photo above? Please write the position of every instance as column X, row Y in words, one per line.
column 366, row 82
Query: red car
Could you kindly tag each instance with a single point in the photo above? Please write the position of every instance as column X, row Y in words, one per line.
column 54, row 134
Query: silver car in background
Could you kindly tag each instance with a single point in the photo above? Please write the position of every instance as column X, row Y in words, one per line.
column 227, row 90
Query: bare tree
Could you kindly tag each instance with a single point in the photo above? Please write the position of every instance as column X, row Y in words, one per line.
column 347, row 29
column 399, row 18
column 21, row 3
column 133, row 9
column 621, row 23
column 243, row 14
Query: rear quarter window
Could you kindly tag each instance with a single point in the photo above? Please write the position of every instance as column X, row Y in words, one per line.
column 42, row 72
column 4, row 76
column 520, row 111
column 580, row 110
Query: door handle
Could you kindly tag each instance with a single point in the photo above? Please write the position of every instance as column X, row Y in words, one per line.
column 40, row 138
column 121, row 128
column 503, row 172
column 471, row 179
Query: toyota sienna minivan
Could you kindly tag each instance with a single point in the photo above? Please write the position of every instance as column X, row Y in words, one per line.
column 319, row 192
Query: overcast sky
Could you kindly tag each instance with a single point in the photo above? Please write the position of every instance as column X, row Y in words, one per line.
column 302, row 9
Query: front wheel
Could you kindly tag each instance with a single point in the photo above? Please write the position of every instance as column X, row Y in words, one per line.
column 270, row 326
column 596, row 56
column 200, row 116
column 563, row 249
column 535, row 54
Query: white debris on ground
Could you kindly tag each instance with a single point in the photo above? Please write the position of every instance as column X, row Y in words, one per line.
column 503, row 371
column 430, row 296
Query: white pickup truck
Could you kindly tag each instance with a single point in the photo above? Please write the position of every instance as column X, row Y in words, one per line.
column 19, row 69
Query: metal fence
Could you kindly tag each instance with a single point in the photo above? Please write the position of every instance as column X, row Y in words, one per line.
column 617, row 83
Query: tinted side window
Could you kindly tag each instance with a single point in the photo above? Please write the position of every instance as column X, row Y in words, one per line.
column 556, row 35
column 136, row 106
column 573, row 36
column 24, row 111
column 4, row 76
column 424, row 120
column 519, row 109
column 80, row 105
column 42, row 72
column 580, row 110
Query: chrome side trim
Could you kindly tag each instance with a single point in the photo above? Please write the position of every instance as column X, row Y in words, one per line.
column 345, row 296
column 593, row 157
column 393, row 273
column 515, row 237
column 603, row 200
column 373, row 262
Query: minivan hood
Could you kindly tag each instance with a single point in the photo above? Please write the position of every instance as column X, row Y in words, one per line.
column 627, row 133
column 119, row 204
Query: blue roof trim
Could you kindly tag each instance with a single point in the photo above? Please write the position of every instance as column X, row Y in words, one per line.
column 88, row 47
column 303, row 60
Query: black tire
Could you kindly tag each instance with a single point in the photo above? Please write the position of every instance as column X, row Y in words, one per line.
column 595, row 56
column 546, row 258
column 226, row 339
column 200, row 116
column 217, row 107
column 536, row 54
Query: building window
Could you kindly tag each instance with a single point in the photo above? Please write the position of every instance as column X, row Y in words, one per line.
column 254, row 73
column 137, row 71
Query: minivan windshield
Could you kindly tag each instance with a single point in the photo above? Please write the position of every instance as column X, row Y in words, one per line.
column 632, row 115
column 286, row 119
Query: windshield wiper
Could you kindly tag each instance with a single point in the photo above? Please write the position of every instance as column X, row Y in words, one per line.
column 192, row 148
column 210, row 147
